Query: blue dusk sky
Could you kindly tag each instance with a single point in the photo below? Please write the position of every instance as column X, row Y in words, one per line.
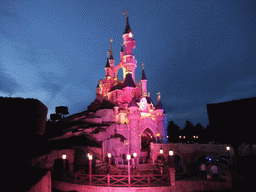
column 195, row 51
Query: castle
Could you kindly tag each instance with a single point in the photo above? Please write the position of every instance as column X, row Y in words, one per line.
column 131, row 120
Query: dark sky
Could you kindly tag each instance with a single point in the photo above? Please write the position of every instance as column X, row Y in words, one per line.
column 195, row 51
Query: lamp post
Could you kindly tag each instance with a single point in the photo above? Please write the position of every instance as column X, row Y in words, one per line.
column 129, row 170
column 90, row 168
column 64, row 156
column 228, row 149
column 109, row 158
column 161, row 152
column 157, row 137
column 135, row 155
column 171, row 156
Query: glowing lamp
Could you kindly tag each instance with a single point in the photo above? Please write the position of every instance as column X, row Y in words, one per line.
column 128, row 157
column 184, row 137
column 161, row 151
column 167, row 136
column 90, row 157
column 130, row 34
column 197, row 137
column 179, row 136
column 228, row 148
column 157, row 134
column 194, row 136
column 134, row 154
column 171, row 153
column 64, row 156
column 88, row 154
column 109, row 155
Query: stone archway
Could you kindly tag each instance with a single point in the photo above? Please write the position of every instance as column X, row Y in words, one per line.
column 146, row 138
column 116, row 71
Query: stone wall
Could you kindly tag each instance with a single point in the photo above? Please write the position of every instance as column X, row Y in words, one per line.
column 84, row 188
column 43, row 185
column 181, row 186
column 190, row 186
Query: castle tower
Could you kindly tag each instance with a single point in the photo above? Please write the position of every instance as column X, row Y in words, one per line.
column 143, row 81
column 111, row 58
column 108, row 69
column 129, row 61
column 161, row 121
column 133, row 117
column 121, row 53
column 98, row 92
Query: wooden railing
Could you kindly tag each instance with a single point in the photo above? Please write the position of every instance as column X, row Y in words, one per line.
column 150, row 180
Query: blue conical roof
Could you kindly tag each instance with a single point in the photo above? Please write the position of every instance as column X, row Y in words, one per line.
column 159, row 105
column 107, row 64
column 133, row 103
column 128, row 82
column 127, row 27
column 143, row 77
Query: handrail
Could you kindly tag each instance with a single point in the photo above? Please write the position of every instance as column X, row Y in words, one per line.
column 148, row 180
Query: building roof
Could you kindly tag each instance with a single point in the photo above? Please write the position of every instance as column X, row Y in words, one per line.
column 149, row 100
column 133, row 103
column 143, row 77
column 129, row 81
column 127, row 27
column 111, row 50
column 159, row 105
column 107, row 64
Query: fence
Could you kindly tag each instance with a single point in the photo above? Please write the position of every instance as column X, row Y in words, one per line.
column 150, row 180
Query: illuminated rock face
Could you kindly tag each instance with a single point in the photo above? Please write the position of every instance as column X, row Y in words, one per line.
column 134, row 120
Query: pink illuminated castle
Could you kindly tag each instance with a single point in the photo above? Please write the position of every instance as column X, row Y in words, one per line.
column 131, row 120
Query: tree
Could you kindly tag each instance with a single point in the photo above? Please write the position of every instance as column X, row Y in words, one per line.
column 188, row 130
column 173, row 132
column 198, row 133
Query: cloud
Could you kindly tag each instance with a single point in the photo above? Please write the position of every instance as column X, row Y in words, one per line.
column 8, row 84
column 50, row 83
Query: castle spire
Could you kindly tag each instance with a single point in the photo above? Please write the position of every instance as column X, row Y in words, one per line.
column 143, row 81
column 127, row 27
column 143, row 77
column 111, row 50
column 107, row 64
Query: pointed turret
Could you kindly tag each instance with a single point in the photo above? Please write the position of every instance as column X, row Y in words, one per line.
column 143, row 81
column 107, row 64
column 121, row 52
column 127, row 27
column 128, row 59
column 143, row 77
column 108, row 68
column 128, row 82
column 111, row 50
column 159, row 105
column 133, row 103
column 111, row 58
